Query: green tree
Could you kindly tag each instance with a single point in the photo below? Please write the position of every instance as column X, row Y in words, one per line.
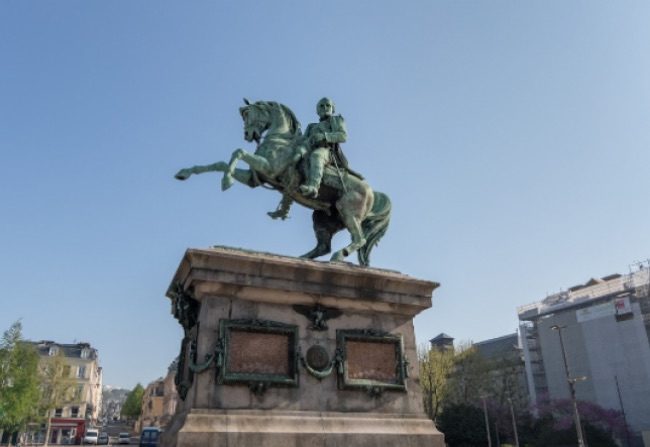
column 463, row 426
column 505, row 392
column 469, row 378
column 435, row 367
column 19, row 380
column 132, row 407
column 58, row 388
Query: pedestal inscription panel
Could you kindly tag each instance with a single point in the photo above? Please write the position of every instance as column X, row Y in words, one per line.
column 257, row 351
column 372, row 360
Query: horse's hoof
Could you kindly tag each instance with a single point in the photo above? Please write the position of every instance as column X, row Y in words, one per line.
column 226, row 182
column 182, row 175
column 338, row 257
column 309, row 191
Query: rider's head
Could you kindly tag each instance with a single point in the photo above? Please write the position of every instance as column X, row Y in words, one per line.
column 325, row 108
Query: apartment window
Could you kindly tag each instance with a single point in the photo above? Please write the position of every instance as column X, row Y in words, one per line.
column 58, row 412
column 74, row 412
column 79, row 393
column 81, row 373
column 85, row 352
column 66, row 371
column 53, row 351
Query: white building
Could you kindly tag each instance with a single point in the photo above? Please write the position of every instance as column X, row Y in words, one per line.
column 605, row 326
column 83, row 408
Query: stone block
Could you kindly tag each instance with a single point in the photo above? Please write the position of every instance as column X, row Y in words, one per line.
column 292, row 352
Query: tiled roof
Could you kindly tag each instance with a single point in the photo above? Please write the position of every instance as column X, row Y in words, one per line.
column 72, row 350
column 441, row 336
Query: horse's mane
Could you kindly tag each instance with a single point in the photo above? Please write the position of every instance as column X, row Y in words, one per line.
column 294, row 124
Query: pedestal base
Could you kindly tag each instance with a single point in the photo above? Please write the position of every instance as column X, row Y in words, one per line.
column 288, row 352
column 303, row 428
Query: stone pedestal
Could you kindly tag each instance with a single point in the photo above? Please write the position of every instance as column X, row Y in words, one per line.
column 287, row 352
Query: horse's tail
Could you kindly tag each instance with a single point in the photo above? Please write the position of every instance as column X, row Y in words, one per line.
column 374, row 226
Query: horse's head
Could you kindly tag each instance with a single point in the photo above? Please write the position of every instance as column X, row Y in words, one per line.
column 257, row 119
column 268, row 115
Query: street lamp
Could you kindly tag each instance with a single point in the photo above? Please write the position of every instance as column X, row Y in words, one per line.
column 572, row 389
column 487, row 422
column 514, row 422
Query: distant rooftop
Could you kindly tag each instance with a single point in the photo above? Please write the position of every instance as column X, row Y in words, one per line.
column 500, row 347
column 72, row 350
column 593, row 289
column 441, row 336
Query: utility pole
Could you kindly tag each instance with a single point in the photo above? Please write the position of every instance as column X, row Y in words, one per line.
column 514, row 422
column 487, row 422
column 572, row 388
column 620, row 400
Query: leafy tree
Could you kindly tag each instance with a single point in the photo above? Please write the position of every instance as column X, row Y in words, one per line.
column 469, row 377
column 505, row 391
column 463, row 425
column 598, row 423
column 19, row 380
column 132, row 407
column 57, row 388
column 546, row 431
column 435, row 367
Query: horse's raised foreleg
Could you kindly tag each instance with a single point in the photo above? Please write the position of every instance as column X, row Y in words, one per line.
column 257, row 163
column 241, row 175
column 184, row 174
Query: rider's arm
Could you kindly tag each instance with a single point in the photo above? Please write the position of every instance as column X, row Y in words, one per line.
column 339, row 133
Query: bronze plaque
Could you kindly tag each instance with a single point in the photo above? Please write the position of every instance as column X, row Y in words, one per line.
column 372, row 360
column 317, row 358
column 258, row 353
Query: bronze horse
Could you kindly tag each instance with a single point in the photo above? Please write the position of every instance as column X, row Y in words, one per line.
column 344, row 199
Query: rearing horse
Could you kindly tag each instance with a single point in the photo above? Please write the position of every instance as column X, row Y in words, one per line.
column 344, row 200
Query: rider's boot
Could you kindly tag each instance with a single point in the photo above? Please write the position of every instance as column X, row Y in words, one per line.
column 316, row 168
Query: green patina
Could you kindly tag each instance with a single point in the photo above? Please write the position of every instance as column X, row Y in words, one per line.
column 311, row 170
column 185, row 309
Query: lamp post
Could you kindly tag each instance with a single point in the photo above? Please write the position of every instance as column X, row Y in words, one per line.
column 572, row 389
column 514, row 422
column 487, row 422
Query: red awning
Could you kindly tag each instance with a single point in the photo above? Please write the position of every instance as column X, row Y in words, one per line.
column 66, row 422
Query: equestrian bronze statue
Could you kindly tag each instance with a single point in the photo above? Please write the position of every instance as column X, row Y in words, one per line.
column 311, row 170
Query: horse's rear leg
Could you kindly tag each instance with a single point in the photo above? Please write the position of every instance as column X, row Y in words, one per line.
column 353, row 224
column 325, row 227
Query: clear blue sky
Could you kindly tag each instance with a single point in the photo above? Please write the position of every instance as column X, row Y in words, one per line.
column 512, row 136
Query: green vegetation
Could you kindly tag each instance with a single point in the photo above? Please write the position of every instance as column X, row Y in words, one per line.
column 463, row 426
column 58, row 388
column 455, row 382
column 132, row 407
column 435, row 368
column 19, row 380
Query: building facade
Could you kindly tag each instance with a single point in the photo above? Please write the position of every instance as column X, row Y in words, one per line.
column 605, row 327
column 112, row 401
column 83, row 403
column 159, row 401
